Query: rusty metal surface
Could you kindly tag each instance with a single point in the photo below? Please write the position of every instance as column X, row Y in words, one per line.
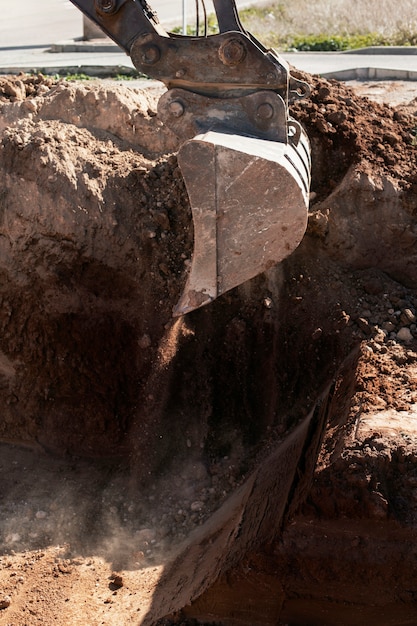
column 220, row 64
column 230, row 62
column 227, row 16
column 121, row 20
column 261, row 114
column 247, row 170
column 249, row 200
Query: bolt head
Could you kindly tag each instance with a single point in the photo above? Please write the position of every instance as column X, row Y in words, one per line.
column 265, row 111
column 176, row 108
column 150, row 54
column 106, row 6
column 232, row 52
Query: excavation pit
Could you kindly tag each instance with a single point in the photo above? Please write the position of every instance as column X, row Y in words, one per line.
column 215, row 463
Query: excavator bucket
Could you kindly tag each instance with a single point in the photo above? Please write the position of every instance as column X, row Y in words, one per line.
column 245, row 162
column 249, row 201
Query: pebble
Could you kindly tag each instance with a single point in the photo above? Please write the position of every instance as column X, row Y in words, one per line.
column 117, row 580
column 30, row 105
column 379, row 336
column 386, row 322
column 388, row 326
column 5, row 602
column 407, row 317
column 15, row 90
column 404, row 334
column 364, row 325
column 44, row 89
column 317, row 334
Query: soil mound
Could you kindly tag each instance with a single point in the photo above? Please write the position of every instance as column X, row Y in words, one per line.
column 278, row 377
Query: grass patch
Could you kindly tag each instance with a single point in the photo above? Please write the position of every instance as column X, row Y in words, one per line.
column 325, row 25
column 333, row 43
column 72, row 77
column 332, row 25
column 114, row 74
column 211, row 28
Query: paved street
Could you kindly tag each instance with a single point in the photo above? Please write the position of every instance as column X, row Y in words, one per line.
column 43, row 22
column 29, row 27
column 37, row 23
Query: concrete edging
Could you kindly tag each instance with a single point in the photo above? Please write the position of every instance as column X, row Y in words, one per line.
column 371, row 73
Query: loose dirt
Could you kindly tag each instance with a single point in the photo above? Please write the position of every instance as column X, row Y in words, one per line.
column 123, row 432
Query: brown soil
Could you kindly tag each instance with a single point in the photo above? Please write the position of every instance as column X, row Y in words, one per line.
column 287, row 407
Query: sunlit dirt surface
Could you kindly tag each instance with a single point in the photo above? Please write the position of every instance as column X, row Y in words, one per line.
column 96, row 404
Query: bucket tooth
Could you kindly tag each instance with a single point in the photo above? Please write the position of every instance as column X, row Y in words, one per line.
column 249, row 201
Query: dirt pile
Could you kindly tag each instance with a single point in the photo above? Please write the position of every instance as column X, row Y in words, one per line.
column 95, row 242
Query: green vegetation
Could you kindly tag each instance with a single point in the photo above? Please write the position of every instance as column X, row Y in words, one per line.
column 332, row 25
column 326, row 43
column 71, row 77
column 212, row 27
column 130, row 76
column 115, row 75
column 326, row 25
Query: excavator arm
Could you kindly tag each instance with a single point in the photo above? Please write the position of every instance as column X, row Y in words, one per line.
column 245, row 161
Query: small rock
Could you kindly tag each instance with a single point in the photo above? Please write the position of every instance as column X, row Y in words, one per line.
column 5, row 602
column 318, row 224
column 197, row 506
column 391, row 138
column 364, row 325
column 379, row 336
column 42, row 90
column 15, row 89
column 322, row 126
column 65, row 568
column 404, row 334
column 117, row 581
column 30, row 105
column 337, row 117
column 317, row 334
column 407, row 317
column 388, row 326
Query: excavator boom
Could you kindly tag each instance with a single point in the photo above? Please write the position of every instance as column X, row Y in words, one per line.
column 245, row 161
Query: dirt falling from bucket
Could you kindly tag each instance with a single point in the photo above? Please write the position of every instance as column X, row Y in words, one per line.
column 148, row 429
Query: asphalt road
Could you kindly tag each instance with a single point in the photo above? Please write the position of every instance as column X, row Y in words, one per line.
column 44, row 22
